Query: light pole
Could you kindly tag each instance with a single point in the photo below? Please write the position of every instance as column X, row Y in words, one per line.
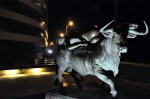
column 69, row 24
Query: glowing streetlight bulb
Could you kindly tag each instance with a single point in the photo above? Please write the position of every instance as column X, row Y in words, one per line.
column 70, row 23
column 61, row 34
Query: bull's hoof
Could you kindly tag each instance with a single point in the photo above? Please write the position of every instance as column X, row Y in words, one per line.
column 113, row 93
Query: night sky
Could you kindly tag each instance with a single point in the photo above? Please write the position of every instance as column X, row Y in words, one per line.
column 86, row 13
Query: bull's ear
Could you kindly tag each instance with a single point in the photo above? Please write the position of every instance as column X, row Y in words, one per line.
column 131, row 35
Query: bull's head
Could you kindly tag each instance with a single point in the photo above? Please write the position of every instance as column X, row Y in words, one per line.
column 124, row 31
column 133, row 33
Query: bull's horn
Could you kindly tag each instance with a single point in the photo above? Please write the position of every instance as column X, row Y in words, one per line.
column 140, row 33
column 103, row 28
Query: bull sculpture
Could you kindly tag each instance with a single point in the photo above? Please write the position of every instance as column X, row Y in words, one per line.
column 105, row 57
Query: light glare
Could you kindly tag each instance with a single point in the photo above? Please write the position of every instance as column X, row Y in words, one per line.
column 10, row 72
column 51, row 43
column 70, row 23
column 62, row 35
column 36, row 70
column 49, row 51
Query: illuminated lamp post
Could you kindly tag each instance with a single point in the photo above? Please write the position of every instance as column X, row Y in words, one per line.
column 69, row 24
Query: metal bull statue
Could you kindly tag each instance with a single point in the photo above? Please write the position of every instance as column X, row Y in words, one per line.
column 104, row 57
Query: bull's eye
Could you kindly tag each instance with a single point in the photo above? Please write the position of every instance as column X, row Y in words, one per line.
column 133, row 26
column 108, row 32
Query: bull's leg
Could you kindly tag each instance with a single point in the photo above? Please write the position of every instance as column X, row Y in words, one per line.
column 109, row 74
column 109, row 82
column 56, row 82
column 61, row 88
column 78, row 82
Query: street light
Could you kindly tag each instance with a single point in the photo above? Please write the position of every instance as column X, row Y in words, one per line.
column 61, row 35
column 69, row 24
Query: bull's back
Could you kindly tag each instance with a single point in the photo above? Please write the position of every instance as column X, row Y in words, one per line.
column 62, row 57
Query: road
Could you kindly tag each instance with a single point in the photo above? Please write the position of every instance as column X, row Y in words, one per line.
column 134, row 72
column 132, row 82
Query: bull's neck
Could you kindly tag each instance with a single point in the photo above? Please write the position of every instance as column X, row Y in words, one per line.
column 110, row 47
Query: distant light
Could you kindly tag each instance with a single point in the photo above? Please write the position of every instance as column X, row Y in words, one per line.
column 51, row 43
column 74, row 84
column 95, row 26
column 24, row 72
column 62, row 34
column 36, row 70
column 70, row 23
column 65, row 84
column 13, row 71
column 43, row 22
column 49, row 51
column 42, row 34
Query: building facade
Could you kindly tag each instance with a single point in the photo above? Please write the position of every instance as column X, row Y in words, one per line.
column 23, row 31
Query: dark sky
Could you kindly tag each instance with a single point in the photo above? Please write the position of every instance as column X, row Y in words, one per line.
column 86, row 13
